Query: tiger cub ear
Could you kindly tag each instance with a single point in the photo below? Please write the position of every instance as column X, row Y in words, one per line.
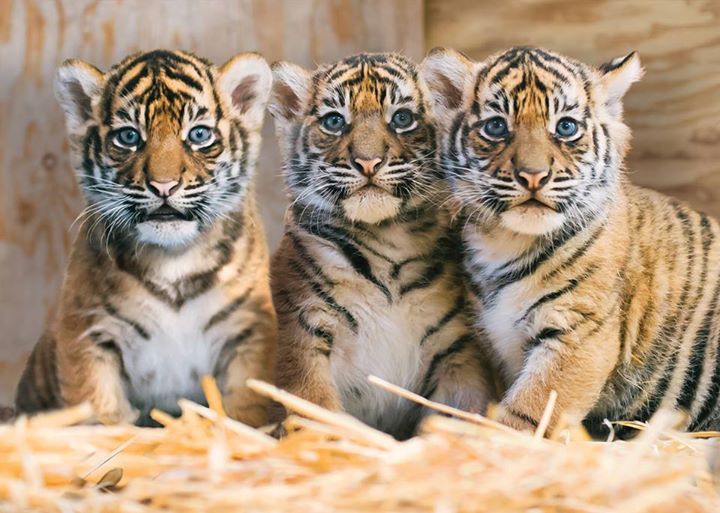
column 246, row 80
column 449, row 76
column 77, row 83
column 617, row 76
column 290, row 93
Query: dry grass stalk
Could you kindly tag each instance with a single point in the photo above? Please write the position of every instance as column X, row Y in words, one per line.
column 204, row 461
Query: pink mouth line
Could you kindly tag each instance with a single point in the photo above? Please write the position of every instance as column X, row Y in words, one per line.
column 535, row 203
column 369, row 187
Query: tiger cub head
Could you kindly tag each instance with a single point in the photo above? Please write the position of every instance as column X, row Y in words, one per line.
column 357, row 136
column 533, row 141
column 164, row 143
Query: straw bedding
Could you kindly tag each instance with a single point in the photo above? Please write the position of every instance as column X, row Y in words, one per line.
column 330, row 462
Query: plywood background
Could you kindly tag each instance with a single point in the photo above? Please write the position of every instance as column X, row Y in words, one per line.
column 38, row 195
column 674, row 112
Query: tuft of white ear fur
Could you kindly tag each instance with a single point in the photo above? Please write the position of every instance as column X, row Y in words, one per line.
column 77, row 84
column 449, row 76
column 617, row 76
column 246, row 79
column 290, row 92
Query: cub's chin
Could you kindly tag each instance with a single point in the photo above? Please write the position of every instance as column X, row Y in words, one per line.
column 371, row 205
column 167, row 233
column 532, row 219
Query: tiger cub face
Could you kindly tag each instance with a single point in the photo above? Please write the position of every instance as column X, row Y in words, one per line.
column 533, row 140
column 357, row 137
column 164, row 143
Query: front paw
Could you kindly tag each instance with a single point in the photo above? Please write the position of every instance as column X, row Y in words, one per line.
column 254, row 415
column 126, row 415
column 244, row 405
column 279, row 431
column 517, row 420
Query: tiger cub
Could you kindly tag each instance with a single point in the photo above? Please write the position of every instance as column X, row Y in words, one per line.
column 367, row 277
column 168, row 278
column 587, row 285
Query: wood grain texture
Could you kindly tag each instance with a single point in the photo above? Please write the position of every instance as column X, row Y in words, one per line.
column 674, row 111
column 39, row 197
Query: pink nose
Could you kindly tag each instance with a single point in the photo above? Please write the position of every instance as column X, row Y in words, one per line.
column 164, row 189
column 533, row 179
column 368, row 166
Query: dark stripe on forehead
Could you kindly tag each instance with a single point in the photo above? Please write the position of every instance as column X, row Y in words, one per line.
column 559, row 67
column 184, row 78
column 398, row 72
column 395, row 65
column 558, row 70
column 560, row 61
column 154, row 61
column 377, row 59
column 132, row 83
column 156, row 57
column 503, row 64
column 530, row 81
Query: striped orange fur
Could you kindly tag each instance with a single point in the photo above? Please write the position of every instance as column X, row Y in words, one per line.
column 168, row 276
column 584, row 283
column 367, row 279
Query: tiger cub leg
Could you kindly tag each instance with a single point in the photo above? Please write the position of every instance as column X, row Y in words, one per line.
column 92, row 371
column 38, row 389
column 466, row 380
column 302, row 366
column 248, row 355
column 574, row 367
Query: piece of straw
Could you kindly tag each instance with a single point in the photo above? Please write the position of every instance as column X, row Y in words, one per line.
column 312, row 411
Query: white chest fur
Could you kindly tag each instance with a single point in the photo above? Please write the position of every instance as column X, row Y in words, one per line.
column 166, row 350
column 168, row 364
column 502, row 318
column 386, row 345
column 501, row 321
column 386, row 342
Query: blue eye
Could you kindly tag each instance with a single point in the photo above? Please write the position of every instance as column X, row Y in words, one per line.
column 333, row 122
column 403, row 118
column 127, row 137
column 566, row 127
column 200, row 134
column 496, row 127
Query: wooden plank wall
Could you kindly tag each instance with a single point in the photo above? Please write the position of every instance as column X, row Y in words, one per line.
column 38, row 195
column 674, row 112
